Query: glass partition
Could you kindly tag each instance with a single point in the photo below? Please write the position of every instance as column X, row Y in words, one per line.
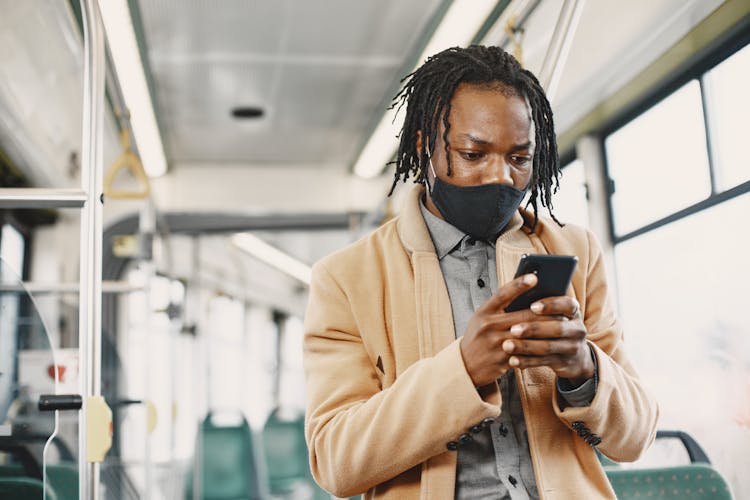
column 38, row 444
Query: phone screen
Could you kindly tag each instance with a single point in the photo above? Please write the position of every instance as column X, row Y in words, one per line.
column 553, row 272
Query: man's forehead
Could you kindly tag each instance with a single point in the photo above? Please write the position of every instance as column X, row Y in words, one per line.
column 466, row 109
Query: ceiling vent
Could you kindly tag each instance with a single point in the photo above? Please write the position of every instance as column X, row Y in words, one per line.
column 247, row 112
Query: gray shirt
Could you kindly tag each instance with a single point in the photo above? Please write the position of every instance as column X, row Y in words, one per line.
column 496, row 464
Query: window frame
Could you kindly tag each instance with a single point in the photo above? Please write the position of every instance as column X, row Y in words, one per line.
column 696, row 68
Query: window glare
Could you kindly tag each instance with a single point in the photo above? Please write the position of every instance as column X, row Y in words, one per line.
column 728, row 109
column 659, row 161
column 569, row 202
column 683, row 300
column 11, row 249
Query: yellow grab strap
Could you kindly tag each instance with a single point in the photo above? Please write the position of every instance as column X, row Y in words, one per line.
column 130, row 162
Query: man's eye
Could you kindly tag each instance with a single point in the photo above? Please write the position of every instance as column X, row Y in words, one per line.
column 470, row 155
column 520, row 159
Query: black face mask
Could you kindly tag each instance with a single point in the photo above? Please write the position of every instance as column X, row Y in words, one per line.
column 480, row 211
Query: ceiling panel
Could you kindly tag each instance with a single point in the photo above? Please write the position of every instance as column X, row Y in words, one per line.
column 320, row 70
column 601, row 58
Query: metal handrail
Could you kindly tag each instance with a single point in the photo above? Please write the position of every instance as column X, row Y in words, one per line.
column 41, row 198
column 90, row 294
column 559, row 46
column 40, row 288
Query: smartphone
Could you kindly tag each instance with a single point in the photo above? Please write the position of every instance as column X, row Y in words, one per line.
column 553, row 273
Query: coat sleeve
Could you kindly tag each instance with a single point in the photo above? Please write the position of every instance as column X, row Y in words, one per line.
column 623, row 413
column 359, row 434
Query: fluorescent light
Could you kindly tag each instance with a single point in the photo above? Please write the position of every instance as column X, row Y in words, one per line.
column 127, row 59
column 458, row 27
column 273, row 256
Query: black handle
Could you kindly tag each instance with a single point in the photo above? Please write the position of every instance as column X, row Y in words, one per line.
column 694, row 450
column 52, row 402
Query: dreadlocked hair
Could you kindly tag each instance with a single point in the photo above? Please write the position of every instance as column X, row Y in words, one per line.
column 427, row 94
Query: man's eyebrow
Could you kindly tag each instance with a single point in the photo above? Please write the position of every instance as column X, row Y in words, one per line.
column 521, row 147
column 474, row 139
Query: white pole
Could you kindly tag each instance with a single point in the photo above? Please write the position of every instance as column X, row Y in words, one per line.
column 559, row 46
column 90, row 305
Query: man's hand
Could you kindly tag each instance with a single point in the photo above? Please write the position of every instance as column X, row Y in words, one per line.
column 489, row 327
column 559, row 343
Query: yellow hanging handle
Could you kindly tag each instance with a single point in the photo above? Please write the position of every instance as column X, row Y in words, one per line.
column 515, row 34
column 128, row 161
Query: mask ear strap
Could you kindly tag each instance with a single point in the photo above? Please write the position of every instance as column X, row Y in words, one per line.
column 429, row 157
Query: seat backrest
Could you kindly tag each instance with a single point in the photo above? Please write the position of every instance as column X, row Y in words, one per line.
column 23, row 488
column 689, row 482
column 287, row 462
column 229, row 469
column 285, row 452
column 63, row 478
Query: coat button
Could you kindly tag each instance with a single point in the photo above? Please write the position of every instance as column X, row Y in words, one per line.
column 476, row 429
column 503, row 430
column 464, row 439
column 452, row 445
column 487, row 422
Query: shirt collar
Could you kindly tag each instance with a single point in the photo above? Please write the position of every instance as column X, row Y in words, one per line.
column 444, row 235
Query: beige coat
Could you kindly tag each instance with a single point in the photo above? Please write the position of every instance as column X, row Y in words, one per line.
column 387, row 387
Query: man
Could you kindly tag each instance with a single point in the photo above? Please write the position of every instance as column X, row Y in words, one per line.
column 420, row 385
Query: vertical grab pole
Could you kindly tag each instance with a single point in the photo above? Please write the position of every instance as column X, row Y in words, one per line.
column 559, row 46
column 90, row 305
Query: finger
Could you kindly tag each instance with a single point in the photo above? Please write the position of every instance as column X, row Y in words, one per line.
column 521, row 362
column 561, row 328
column 560, row 347
column 563, row 305
column 502, row 322
column 506, row 293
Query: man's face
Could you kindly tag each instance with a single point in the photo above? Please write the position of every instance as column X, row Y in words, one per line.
column 490, row 140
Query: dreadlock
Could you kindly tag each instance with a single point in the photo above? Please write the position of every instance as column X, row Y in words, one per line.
column 427, row 92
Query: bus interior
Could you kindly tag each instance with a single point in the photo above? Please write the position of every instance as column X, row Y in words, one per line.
column 170, row 171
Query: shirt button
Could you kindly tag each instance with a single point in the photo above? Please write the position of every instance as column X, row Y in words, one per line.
column 471, row 241
column 512, row 480
column 480, row 283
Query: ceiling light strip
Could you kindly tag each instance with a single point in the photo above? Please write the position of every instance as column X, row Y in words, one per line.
column 129, row 66
column 458, row 27
column 256, row 247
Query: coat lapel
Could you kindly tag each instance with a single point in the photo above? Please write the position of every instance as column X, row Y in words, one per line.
column 433, row 307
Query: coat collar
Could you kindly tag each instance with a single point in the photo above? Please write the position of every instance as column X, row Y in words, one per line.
column 416, row 237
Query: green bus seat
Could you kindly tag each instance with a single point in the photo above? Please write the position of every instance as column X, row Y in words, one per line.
column 63, row 479
column 229, row 470
column 24, row 488
column 12, row 470
column 688, row 482
column 285, row 451
column 694, row 481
